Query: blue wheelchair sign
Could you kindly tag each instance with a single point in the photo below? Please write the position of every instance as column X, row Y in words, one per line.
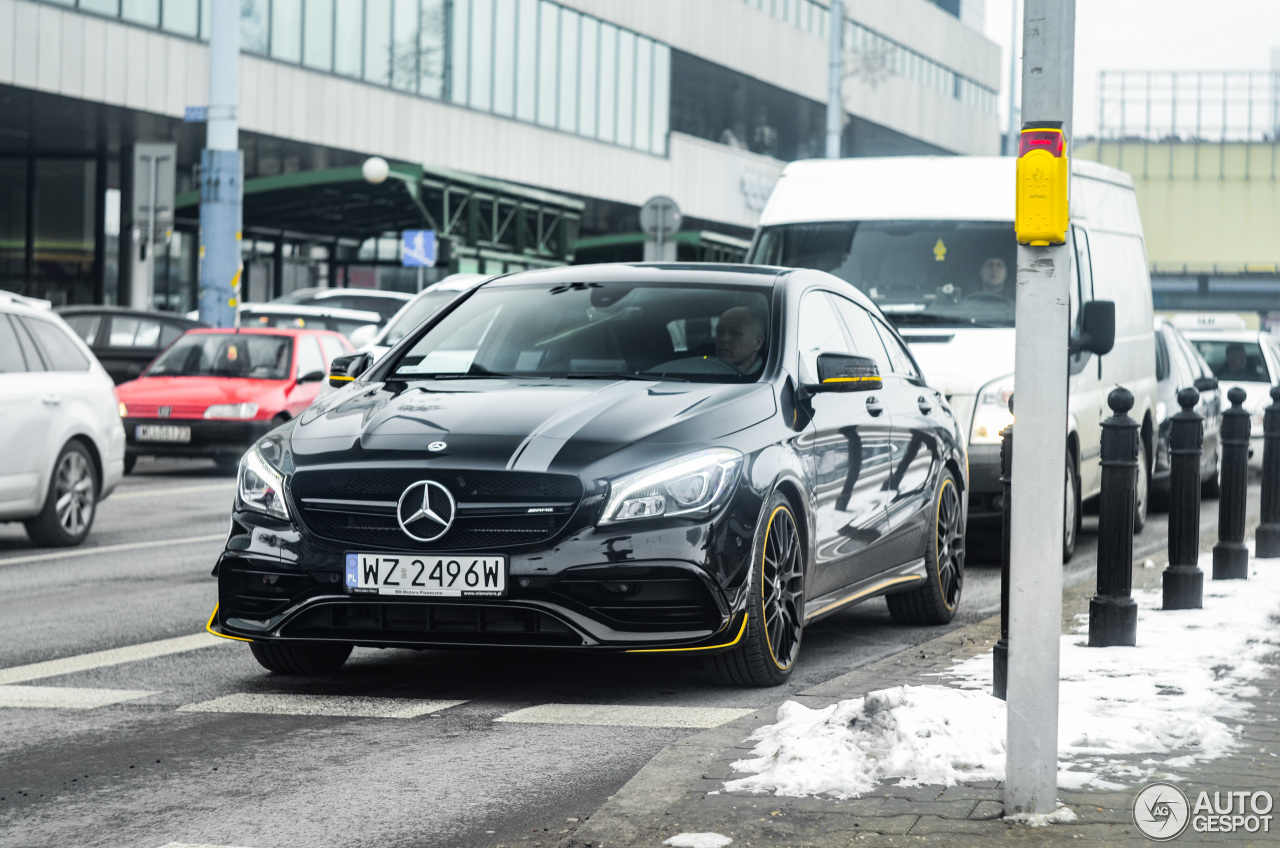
column 418, row 249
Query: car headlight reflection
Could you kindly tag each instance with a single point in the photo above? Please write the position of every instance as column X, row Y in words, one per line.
column 261, row 486
column 692, row 486
column 991, row 413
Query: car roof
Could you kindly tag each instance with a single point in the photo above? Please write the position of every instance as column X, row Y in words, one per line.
column 103, row 309
column 262, row 331
column 1224, row 335
column 23, row 305
column 307, row 310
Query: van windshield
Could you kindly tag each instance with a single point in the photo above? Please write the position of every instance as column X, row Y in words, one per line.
column 920, row 273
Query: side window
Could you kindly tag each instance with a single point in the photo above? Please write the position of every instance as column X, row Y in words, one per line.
column 862, row 330
column 1083, row 288
column 85, row 326
column 1162, row 357
column 58, row 348
column 169, row 332
column 309, row 356
column 901, row 360
column 35, row 361
column 148, row 334
column 122, row 331
column 11, row 358
column 819, row 333
column 332, row 348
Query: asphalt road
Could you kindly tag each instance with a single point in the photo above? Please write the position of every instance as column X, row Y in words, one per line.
column 401, row 748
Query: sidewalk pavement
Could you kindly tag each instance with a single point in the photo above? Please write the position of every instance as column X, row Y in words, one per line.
column 682, row 789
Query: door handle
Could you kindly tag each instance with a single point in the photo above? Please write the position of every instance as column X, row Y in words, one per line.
column 924, row 405
column 874, row 406
column 52, row 400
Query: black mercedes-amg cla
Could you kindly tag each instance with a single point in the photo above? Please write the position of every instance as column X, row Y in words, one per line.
column 687, row 458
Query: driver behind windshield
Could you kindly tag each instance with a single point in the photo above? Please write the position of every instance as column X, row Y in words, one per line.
column 994, row 275
column 739, row 338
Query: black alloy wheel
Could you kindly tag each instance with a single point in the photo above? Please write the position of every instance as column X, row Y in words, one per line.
column 775, row 616
column 936, row 600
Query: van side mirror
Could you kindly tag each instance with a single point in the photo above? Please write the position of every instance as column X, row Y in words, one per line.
column 840, row 372
column 1097, row 328
column 344, row 369
column 1206, row 384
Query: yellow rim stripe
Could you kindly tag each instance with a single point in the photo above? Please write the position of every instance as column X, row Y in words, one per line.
column 865, row 592
column 764, row 549
column 209, row 627
column 736, row 640
column 936, row 518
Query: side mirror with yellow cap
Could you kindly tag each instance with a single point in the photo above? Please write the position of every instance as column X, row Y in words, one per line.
column 840, row 372
column 344, row 369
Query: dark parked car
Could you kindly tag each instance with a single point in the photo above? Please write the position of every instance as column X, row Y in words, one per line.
column 698, row 459
column 125, row 340
column 1180, row 366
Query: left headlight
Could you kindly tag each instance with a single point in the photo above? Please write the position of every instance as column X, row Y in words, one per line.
column 240, row 411
column 261, row 485
column 691, row 486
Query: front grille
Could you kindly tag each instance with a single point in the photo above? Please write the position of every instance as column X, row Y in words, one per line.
column 495, row 509
column 434, row 623
column 642, row 597
column 177, row 410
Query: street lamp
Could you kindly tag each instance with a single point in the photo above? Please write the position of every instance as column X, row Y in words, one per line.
column 375, row 169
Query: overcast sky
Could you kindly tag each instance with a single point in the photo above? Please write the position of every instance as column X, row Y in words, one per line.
column 1151, row 35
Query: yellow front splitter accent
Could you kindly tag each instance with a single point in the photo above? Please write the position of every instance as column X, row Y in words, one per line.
column 736, row 640
column 209, row 627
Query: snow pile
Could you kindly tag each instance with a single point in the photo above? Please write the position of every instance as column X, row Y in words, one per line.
column 915, row 734
column 697, row 840
column 1062, row 815
column 1171, row 698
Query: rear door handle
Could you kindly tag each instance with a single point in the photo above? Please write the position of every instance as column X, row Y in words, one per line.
column 874, row 406
column 925, row 406
column 52, row 400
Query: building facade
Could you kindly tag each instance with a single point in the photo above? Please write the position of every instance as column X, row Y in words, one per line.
column 600, row 104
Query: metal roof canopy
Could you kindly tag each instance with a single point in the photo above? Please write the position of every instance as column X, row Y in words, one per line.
column 340, row 205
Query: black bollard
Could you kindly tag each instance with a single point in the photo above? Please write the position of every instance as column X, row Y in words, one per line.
column 1113, row 615
column 1230, row 556
column 1183, row 579
column 1000, row 653
column 1267, row 538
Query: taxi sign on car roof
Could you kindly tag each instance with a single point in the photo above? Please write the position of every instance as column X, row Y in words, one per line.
column 1209, row 321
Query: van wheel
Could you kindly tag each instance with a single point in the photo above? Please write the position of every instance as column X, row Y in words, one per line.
column 301, row 659
column 1211, row 487
column 1142, row 497
column 70, row 504
column 1070, row 509
column 936, row 601
column 775, row 614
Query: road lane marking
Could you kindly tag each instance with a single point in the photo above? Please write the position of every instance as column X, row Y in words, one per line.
column 613, row 715
column 320, row 705
column 66, row 698
column 111, row 656
column 126, row 546
column 229, row 487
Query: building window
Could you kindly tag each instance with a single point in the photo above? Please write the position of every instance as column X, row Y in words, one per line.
column 348, row 37
column 286, row 30
column 317, row 35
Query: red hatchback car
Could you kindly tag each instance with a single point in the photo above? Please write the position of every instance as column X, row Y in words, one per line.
column 213, row 393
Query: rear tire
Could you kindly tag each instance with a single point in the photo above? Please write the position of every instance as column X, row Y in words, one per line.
column 300, row 659
column 1070, row 510
column 775, row 615
column 1212, row 487
column 1142, row 496
column 71, row 501
column 938, row 598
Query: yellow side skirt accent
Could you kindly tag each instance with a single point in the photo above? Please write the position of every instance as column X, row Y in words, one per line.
column 209, row 627
column 735, row 641
column 876, row 588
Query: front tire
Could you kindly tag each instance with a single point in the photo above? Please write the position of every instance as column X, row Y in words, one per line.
column 300, row 659
column 71, row 502
column 936, row 601
column 775, row 615
column 1070, row 510
column 1142, row 496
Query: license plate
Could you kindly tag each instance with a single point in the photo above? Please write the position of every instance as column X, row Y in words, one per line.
column 162, row 433
column 428, row 576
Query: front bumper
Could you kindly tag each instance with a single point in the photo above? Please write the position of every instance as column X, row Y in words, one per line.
column 669, row 585
column 209, row 438
column 985, row 492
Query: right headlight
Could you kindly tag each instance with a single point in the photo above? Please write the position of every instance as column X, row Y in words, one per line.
column 991, row 412
column 260, row 486
column 691, row 486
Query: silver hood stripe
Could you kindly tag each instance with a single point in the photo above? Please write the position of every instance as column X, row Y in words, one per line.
column 541, row 446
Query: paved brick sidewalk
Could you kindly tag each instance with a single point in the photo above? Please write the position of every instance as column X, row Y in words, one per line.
column 668, row 797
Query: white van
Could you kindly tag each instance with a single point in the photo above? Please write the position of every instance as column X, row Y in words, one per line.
column 931, row 241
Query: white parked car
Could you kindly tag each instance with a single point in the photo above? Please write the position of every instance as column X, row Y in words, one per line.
column 418, row 310
column 63, row 443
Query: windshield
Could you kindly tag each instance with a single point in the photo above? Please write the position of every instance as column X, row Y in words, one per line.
column 933, row 273
column 602, row 330
column 252, row 357
column 415, row 313
column 1234, row 362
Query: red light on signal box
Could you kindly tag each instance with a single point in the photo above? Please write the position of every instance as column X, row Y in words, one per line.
column 1048, row 140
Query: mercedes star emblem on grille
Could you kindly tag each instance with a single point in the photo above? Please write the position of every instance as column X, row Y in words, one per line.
column 425, row 511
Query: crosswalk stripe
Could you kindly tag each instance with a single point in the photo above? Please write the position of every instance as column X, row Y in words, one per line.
column 66, row 698
column 320, row 705
column 112, row 656
column 229, row 487
column 107, row 549
column 613, row 715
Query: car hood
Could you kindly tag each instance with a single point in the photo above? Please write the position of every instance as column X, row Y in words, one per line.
column 523, row 425
column 196, row 390
column 961, row 361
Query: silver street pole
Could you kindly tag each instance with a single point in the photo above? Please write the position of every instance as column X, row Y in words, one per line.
column 835, row 99
column 1011, row 140
column 1039, row 451
column 221, row 172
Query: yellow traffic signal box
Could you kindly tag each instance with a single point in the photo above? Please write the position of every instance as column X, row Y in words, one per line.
column 1041, row 215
